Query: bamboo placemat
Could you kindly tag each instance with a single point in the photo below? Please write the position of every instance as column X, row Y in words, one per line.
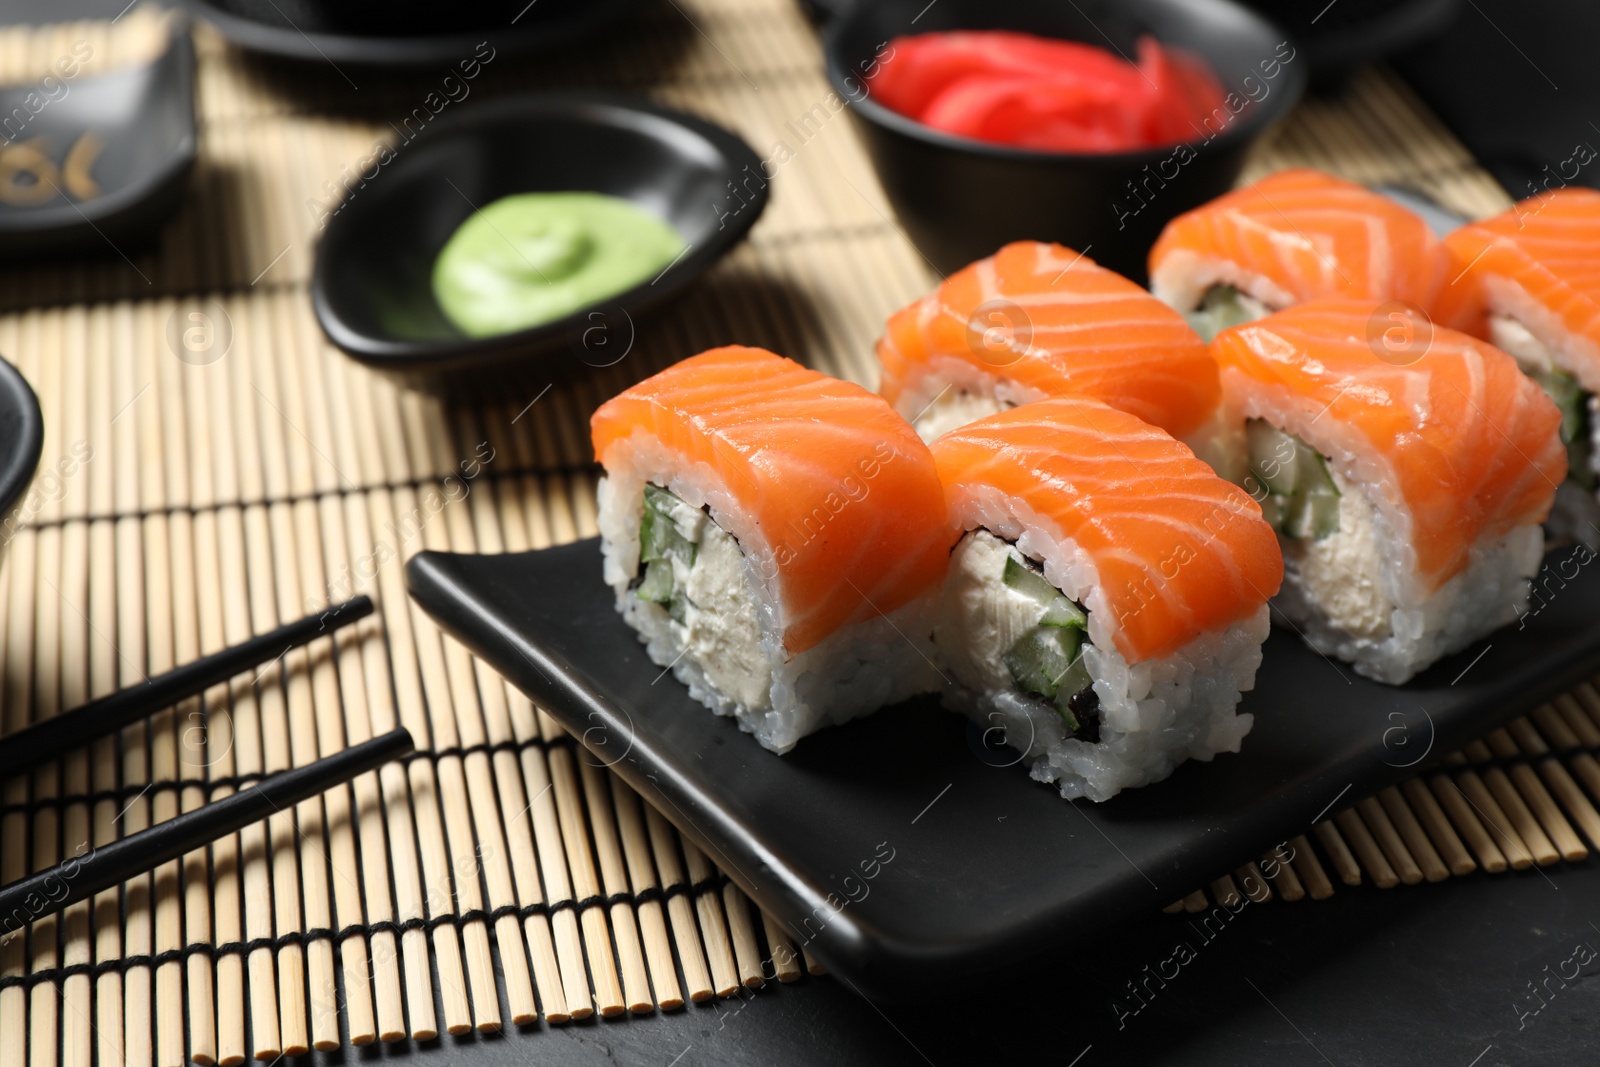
column 195, row 493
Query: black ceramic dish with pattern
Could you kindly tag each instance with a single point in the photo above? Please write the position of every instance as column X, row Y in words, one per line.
column 372, row 286
column 96, row 163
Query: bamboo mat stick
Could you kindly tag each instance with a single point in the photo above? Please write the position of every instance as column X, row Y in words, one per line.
column 215, row 480
column 1225, row 892
column 184, row 393
column 1415, row 842
column 478, row 697
column 305, row 972
column 1459, row 809
column 1572, row 798
column 719, row 950
column 100, row 667
column 1527, row 737
column 1443, row 837
column 1501, row 746
column 1581, row 729
column 1533, row 836
column 77, row 1043
column 565, row 991
column 746, row 950
column 1280, row 871
column 13, row 857
column 451, row 771
column 160, row 548
column 44, row 1015
column 456, row 863
column 376, row 961
column 1560, row 832
column 280, row 864
column 365, row 968
column 521, row 727
column 1366, row 849
column 614, row 882
column 415, row 827
column 1388, row 840
column 685, row 932
column 642, row 880
column 138, row 1010
column 813, row 965
column 585, row 883
column 785, row 960
column 1558, row 725
column 1344, row 863
column 1254, row 883
column 432, row 854
column 227, row 926
column 241, row 480
column 1487, row 808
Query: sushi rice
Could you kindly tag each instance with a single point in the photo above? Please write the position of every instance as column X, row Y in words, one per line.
column 728, row 647
column 1152, row 715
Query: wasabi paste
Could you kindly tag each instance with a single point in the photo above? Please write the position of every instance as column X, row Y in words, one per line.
column 534, row 258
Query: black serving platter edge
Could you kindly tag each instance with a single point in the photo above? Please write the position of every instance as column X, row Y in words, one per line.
column 904, row 851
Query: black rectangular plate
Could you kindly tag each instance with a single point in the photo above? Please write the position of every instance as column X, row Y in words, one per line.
column 975, row 867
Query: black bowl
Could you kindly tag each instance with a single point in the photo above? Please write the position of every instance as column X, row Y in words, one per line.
column 404, row 33
column 960, row 199
column 21, row 441
column 111, row 154
column 373, row 288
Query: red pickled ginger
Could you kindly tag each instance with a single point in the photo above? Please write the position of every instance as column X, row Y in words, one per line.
column 1052, row 95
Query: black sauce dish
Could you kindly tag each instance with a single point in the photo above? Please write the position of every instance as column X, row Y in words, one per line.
column 959, row 199
column 21, row 442
column 372, row 285
column 404, row 34
column 96, row 163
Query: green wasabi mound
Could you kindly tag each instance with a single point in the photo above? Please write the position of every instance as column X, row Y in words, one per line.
column 533, row 258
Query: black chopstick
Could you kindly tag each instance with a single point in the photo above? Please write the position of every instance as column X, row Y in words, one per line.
column 33, row 745
column 81, row 877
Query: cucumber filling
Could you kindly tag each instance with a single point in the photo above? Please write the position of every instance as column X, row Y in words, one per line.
column 1291, row 482
column 1223, row 306
column 1047, row 660
column 669, row 534
column 1573, row 400
column 1570, row 397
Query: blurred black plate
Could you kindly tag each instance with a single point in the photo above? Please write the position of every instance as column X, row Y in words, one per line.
column 129, row 132
column 1342, row 34
column 989, row 869
column 373, row 287
column 404, row 33
column 21, row 441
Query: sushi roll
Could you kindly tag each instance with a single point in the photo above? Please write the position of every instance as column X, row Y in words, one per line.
column 1407, row 493
column 1297, row 235
column 776, row 536
column 1107, row 600
column 1529, row 281
column 1037, row 320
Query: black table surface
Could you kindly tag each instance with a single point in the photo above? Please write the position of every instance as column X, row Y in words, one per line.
column 1472, row 972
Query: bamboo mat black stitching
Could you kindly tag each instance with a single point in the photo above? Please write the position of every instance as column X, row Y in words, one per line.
column 555, row 470
column 123, row 964
column 126, row 793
